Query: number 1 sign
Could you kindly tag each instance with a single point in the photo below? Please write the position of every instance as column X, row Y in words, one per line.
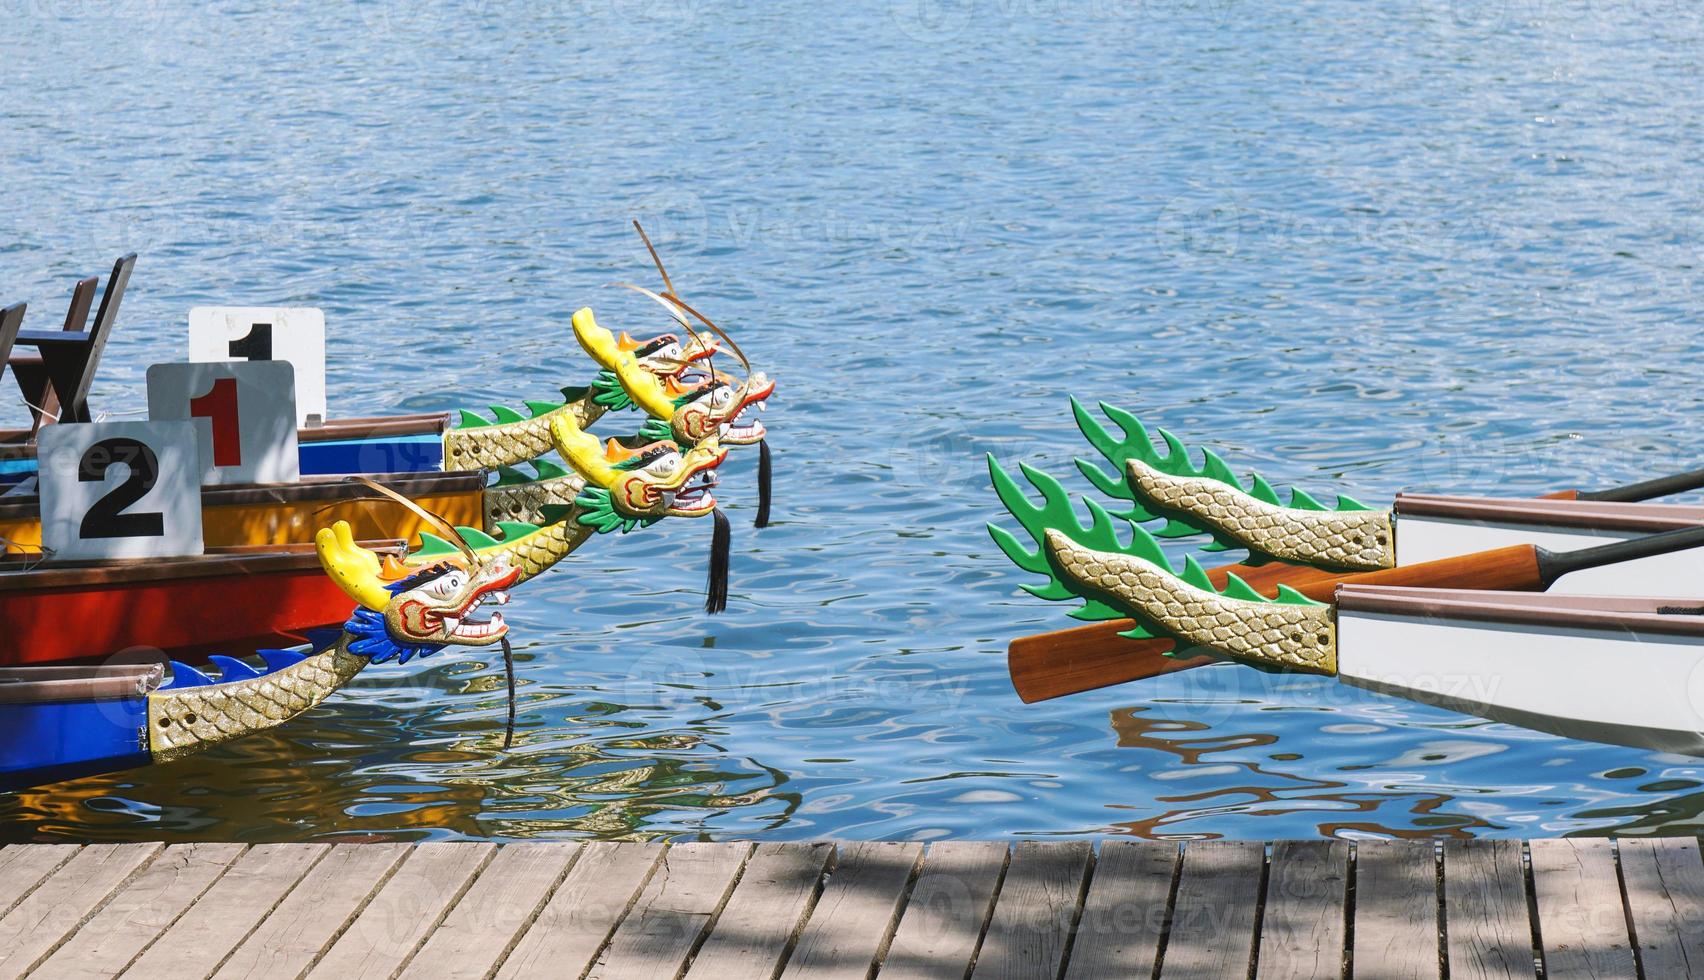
column 120, row 490
column 249, row 432
column 266, row 333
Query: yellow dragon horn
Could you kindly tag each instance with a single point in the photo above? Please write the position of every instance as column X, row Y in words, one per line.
column 582, row 450
column 641, row 385
column 352, row 567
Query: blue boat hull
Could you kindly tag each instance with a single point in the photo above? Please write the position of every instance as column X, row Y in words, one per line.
column 44, row 743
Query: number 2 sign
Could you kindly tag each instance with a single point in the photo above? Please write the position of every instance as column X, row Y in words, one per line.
column 266, row 333
column 120, row 489
column 245, row 415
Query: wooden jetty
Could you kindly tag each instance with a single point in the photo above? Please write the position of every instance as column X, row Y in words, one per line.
column 1209, row 909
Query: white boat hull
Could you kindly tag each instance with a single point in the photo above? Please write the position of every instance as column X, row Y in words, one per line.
column 1429, row 528
column 1601, row 683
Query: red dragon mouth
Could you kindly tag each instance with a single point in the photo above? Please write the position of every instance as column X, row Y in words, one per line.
column 741, row 431
column 463, row 625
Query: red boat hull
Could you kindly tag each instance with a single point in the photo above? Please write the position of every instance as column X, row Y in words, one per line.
column 221, row 604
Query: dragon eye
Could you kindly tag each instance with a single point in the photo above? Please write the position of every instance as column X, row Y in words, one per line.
column 448, row 585
column 664, row 465
column 722, row 397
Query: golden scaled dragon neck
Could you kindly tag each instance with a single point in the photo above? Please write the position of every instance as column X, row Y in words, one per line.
column 508, row 443
column 529, row 549
column 184, row 721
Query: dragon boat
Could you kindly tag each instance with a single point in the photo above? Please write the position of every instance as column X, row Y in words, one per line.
column 190, row 604
column 1162, row 486
column 462, row 440
column 1537, row 661
column 58, row 722
column 1152, row 484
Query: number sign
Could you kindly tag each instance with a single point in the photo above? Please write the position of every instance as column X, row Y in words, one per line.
column 266, row 333
column 120, row 489
column 245, row 415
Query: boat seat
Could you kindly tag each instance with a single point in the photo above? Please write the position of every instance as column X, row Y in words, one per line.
column 55, row 381
column 104, row 682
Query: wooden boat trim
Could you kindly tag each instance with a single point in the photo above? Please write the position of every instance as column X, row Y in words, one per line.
column 422, row 424
column 106, row 682
column 1600, row 613
column 20, row 443
column 1579, row 514
column 311, row 489
column 236, row 561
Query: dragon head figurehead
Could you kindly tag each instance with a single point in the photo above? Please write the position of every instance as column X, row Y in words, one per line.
column 631, row 487
column 719, row 406
column 666, row 356
column 429, row 609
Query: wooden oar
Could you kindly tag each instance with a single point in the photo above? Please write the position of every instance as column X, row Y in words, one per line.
column 1071, row 661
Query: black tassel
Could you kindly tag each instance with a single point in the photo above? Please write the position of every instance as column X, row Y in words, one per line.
column 762, row 484
column 509, row 671
column 716, row 585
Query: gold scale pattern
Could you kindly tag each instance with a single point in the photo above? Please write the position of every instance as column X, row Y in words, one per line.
column 186, row 721
column 509, row 443
column 1293, row 637
column 535, row 552
column 526, row 501
column 1350, row 540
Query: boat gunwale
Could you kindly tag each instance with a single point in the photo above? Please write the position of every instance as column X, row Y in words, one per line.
column 248, row 560
column 1581, row 515
column 1625, row 614
column 62, row 684
column 21, row 444
column 25, row 507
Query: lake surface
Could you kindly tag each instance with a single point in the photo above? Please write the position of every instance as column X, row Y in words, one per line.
column 1451, row 246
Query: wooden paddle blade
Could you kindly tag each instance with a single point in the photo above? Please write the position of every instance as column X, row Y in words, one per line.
column 1052, row 665
column 1072, row 661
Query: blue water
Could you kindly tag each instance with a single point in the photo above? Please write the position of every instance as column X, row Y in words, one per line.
column 1451, row 245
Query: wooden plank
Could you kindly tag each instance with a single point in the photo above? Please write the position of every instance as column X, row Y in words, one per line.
column 405, row 910
column 1213, row 916
column 1303, row 931
column 1039, row 902
column 673, row 912
column 1124, row 915
column 1664, row 882
column 290, row 938
column 1581, row 919
column 202, row 937
column 574, row 925
column 488, row 920
column 949, row 907
column 142, row 910
column 39, row 923
column 1396, row 910
column 1485, row 910
column 24, row 866
column 856, row 912
column 765, row 913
